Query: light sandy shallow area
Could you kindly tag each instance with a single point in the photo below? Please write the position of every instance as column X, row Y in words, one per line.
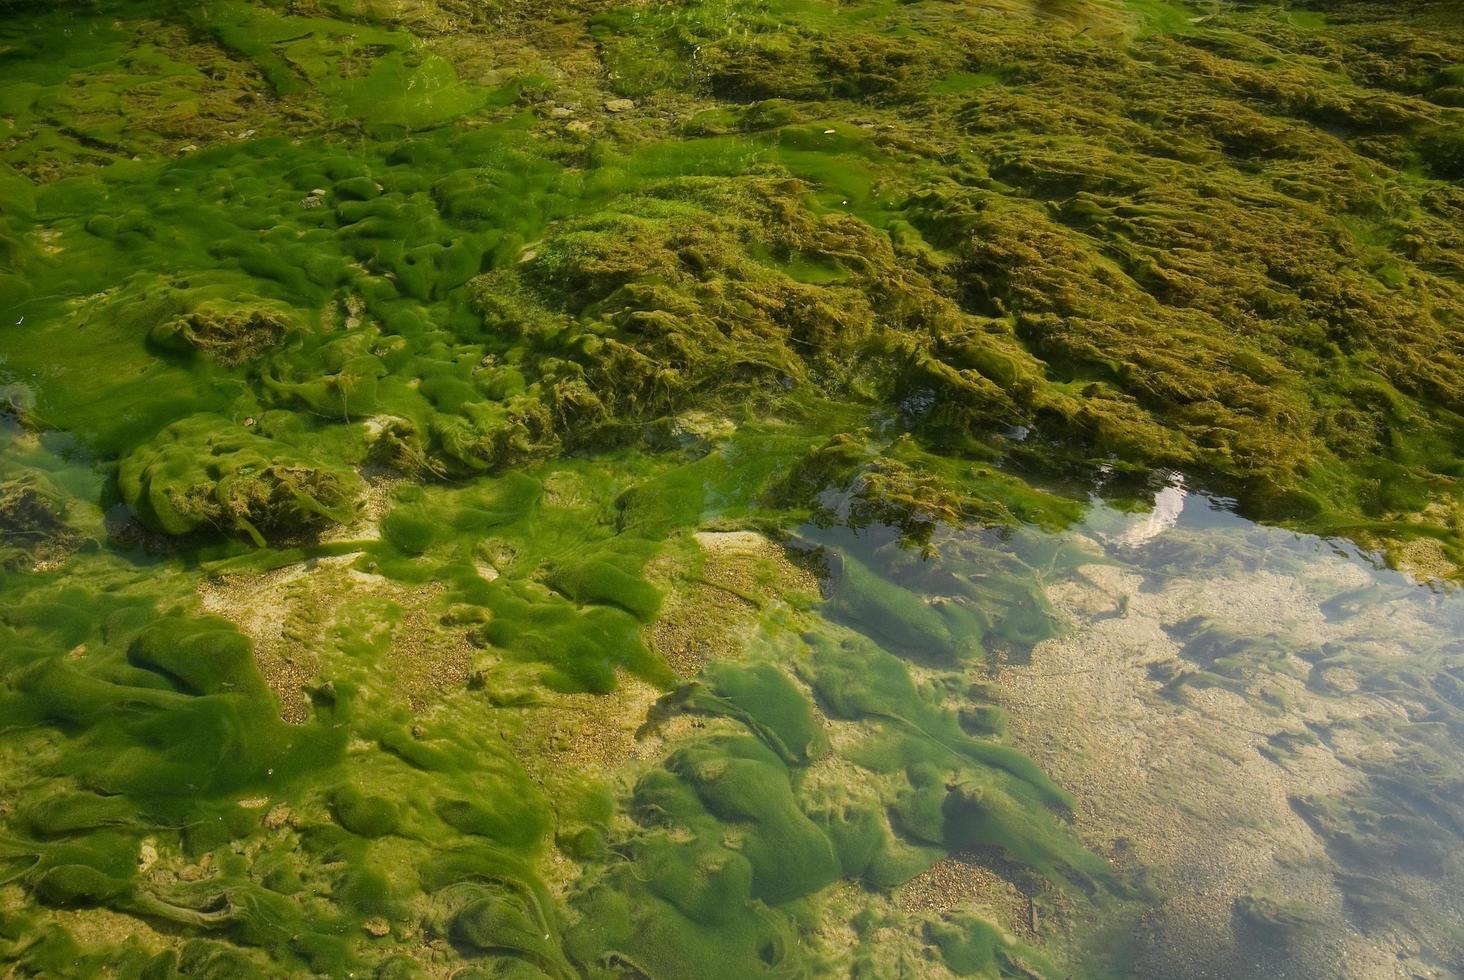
column 1180, row 786
column 1185, row 787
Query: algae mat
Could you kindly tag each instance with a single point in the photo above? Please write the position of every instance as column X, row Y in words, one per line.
column 731, row 488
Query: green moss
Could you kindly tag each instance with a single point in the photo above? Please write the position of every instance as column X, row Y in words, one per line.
column 979, row 813
column 62, row 813
column 763, row 698
column 508, row 922
column 601, row 583
column 70, row 885
column 869, row 851
column 740, row 782
column 1443, row 154
column 853, row 678
column 229, row 337
column 515, row 823
column 411, row 533
column 899, row 617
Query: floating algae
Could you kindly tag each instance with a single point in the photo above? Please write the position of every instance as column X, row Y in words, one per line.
column 607, row 490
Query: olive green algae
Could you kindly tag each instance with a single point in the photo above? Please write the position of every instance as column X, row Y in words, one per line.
column 422, row 339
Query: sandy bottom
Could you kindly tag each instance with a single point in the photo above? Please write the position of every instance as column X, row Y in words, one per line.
column 1181, row 790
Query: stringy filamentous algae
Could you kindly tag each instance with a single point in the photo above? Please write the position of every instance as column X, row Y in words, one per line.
column 477, row 478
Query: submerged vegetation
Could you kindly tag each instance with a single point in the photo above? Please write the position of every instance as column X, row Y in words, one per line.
column 510, row 489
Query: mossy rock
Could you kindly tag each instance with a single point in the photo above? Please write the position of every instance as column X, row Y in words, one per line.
column 207, row 473
column 34, row 520
column 228, row 336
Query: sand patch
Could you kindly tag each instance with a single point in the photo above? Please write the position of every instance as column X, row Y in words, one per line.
column 300, row 617
column 1189, row 786
column 708, row 614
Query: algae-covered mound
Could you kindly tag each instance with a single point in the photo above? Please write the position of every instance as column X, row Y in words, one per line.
column 688, row 293
column 229, row 337
column 208, row 472
column 1206, row 240
column 32, row 520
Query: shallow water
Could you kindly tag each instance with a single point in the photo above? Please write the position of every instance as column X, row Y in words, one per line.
column 1280, row 711
column 1244, row 742
column 659, row 493
column 1259, row 726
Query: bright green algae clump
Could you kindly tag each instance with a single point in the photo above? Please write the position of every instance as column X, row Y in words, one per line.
column 485, row 309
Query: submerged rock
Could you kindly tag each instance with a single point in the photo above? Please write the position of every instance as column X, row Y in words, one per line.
column 205, row 472
column 230, row 337
column 33, row 525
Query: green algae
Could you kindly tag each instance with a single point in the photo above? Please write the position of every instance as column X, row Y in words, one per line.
column 474, row 435
column 752, row 842
column 973, row 947
column 767, row 702
column 207, row 472
column 891, row 246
